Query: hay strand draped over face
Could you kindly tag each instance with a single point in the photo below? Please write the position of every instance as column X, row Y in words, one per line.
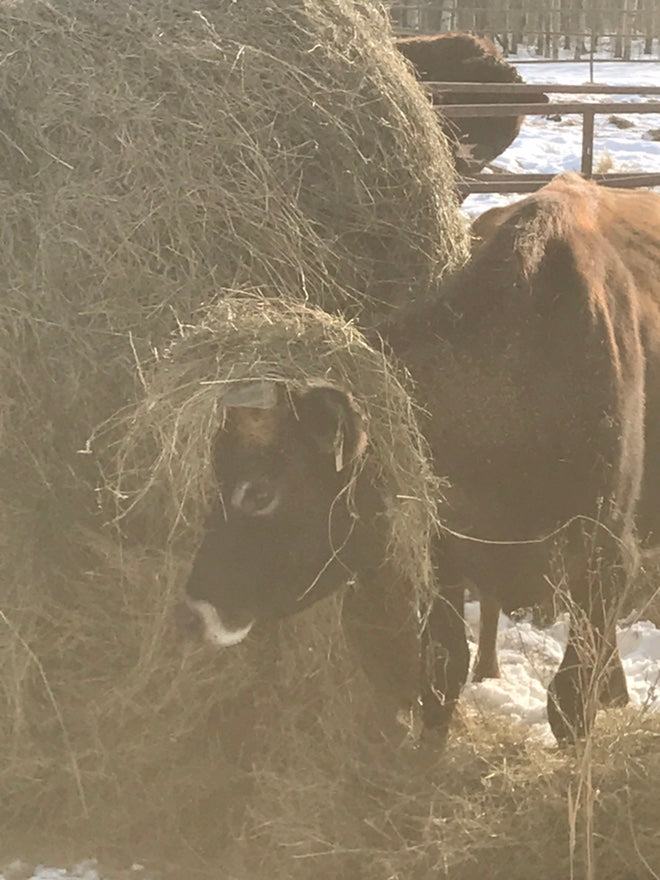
column 154, row 155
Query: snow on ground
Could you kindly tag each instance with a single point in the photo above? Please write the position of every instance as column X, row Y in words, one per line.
column 85, row 870
column 546, row 146
column 22, row 871
column 529, row 658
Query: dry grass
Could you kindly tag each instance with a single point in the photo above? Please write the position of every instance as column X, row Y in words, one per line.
column 336, row 805
column 644, row 598
column 496, row 803
column 605, row 163
column 153, row 158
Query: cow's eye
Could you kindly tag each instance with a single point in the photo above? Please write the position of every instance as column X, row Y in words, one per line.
column 256, row 497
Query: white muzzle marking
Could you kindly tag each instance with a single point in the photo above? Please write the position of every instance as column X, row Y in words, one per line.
column 214, row 629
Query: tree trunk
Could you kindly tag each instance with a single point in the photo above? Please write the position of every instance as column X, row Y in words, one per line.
column 650, row 22
column 515, row 24
column 581, row 27
column 432, row 17
column 567, row 26
column 555, row 28
column 628, row 7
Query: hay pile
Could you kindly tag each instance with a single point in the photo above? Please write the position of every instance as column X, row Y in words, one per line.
column 153, row 157
column 278, row 144
column 496, row 804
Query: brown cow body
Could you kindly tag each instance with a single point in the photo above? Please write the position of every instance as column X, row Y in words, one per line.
column 540, row 371
column 539, row 368
column 628, row 219
column 466, row 58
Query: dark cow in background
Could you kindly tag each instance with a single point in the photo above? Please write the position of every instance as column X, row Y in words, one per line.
column 539, row 368
column 466, row 58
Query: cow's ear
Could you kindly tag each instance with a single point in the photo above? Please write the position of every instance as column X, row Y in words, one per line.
column 333, row 421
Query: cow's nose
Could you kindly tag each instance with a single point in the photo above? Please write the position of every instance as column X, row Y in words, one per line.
column 189, row 623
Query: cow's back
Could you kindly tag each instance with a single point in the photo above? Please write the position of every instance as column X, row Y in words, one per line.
column 456, row 57
column 626, row 226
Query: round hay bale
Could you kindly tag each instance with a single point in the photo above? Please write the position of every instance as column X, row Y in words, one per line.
column 152, row 157
column 283, row 144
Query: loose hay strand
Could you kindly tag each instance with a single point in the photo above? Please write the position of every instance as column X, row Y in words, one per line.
column 56, row 709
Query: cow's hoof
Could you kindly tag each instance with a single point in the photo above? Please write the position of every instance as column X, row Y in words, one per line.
column 568, row 729
column 434, row 738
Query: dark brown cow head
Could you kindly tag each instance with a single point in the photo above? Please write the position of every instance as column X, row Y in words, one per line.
column 284, row 532
column 459, row 57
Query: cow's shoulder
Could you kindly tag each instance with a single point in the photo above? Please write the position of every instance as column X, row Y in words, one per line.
column 588, row 218
column 571, row 236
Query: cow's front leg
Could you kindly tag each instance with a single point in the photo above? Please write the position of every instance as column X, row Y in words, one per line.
column 591, row 667
column 486, row 664
column 381, row 623
column 446, row 659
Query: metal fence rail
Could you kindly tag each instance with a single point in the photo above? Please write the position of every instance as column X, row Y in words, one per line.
column 526, row 183
column 552, row 88
column 502, row 183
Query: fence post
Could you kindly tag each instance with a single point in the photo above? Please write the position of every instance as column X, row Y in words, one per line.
column 587, row 165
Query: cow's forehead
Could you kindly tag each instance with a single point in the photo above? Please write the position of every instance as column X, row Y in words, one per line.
column 258, row 428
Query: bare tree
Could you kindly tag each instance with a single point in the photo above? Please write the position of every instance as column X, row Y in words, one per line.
column 550, row 25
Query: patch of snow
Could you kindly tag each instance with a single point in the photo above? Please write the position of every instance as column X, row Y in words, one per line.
column 19, row 870
column 529, row 658
column 85, row 870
